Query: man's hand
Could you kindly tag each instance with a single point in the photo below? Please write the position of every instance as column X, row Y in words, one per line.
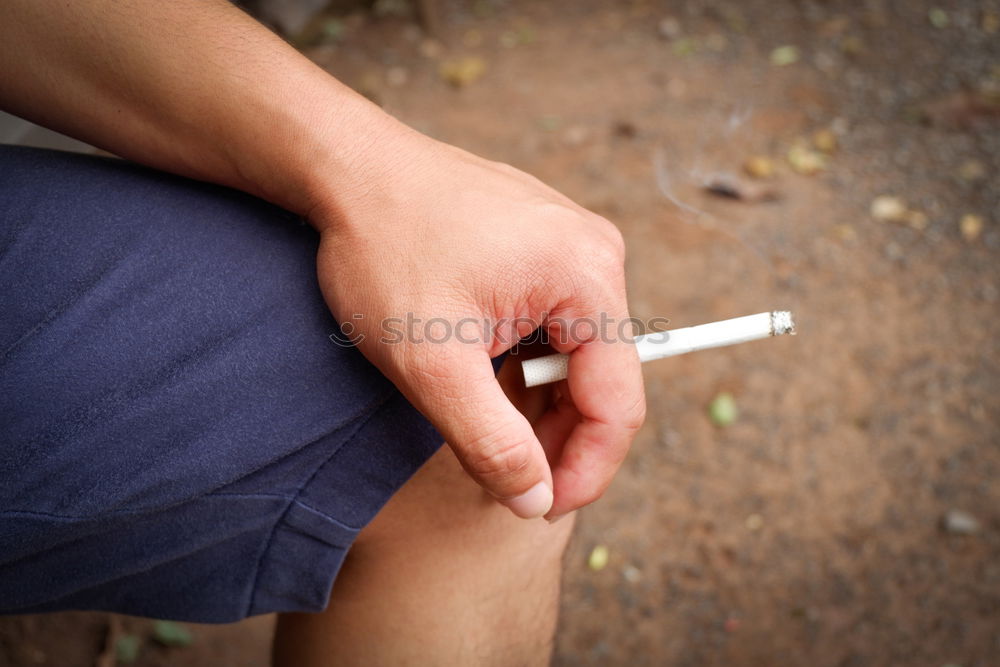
column 434, row 232
column 408, row 225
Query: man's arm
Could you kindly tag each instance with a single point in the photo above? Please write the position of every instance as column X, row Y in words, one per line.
column 195, row 87
column 408, row 225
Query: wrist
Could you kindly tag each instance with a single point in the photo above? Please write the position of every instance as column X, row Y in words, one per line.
column 340, row 150
column 308, row 144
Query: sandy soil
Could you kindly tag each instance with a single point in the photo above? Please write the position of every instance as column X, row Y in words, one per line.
column 811, row 530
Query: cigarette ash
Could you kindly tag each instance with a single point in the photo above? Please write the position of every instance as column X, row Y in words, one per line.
column 782, row 323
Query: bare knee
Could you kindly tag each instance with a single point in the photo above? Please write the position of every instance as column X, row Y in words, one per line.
column 443, row 575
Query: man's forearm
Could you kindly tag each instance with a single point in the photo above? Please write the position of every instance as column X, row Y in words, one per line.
column 195, row 87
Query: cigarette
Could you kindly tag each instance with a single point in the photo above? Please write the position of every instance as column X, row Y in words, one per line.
column 662, row 344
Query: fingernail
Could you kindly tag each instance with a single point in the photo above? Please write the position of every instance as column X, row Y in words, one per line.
column 533, row 503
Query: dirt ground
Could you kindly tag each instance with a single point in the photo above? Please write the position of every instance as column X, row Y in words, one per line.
column 814, row 528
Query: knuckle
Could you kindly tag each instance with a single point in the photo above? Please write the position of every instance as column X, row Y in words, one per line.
column 610, row 250
column 635, row 416
column 498, row 459
column 617, row 240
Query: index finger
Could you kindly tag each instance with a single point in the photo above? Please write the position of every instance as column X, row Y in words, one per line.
column 605, row 384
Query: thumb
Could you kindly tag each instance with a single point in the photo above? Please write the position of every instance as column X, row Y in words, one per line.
column 459, row 393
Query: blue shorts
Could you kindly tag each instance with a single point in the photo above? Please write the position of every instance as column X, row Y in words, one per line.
column 179, row 436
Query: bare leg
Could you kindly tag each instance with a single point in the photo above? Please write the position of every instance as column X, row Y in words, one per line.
column 445, row 576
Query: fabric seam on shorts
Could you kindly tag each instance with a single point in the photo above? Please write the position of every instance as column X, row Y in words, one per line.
column 377, row 407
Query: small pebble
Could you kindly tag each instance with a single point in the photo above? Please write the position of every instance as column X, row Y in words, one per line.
column 430, row 48
column 972, row 171
column 396, row 76
column 917, row 220
column 669, row 27
column 888, row 208
column 632, row 574
column 759, row 166
column 826, row 141
column 805, row 160
column 971, row 226
column 576, row 135
column 958, row 522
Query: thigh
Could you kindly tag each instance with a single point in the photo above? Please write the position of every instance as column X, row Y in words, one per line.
column 180, row 436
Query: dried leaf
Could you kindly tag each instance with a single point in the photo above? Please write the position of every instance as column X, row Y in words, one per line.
column 625, row 129
column 724, row 185
column 127, row 649
column 169, row 633
column 722, row 410
column 685, row 46
column 785, row 55
column 938, row 17
column 598, row 558
column 463, row 71
column 759, row 166
column 852, row 45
